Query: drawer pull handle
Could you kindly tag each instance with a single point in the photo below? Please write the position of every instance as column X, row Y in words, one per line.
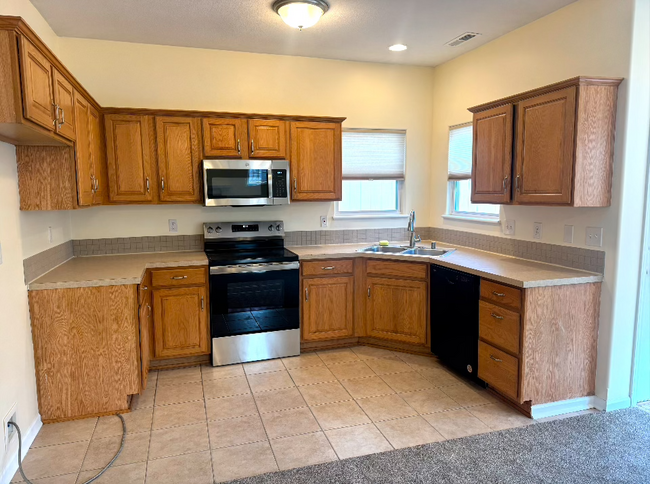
column 178, row 278
column 306, row 294
column 496, row 316
column 202, row 303
column 368, row 292
column 492, row 357
column 238, row 147
column 328, row 268
column 499, row 294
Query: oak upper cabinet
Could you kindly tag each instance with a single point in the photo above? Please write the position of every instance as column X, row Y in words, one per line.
column 328, row 308
column 37, row 89
column 63, row 105
column 267, row 139
column 316, row 161
column 130, row 157
column 225, row 138
column 180, row 323
column 98, row 155
column 179, row 159
column 83, row 157
column 563, row 145
column 492, row 155
column 397, row 309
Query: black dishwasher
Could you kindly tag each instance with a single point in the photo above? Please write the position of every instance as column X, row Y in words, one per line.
column 454, row 319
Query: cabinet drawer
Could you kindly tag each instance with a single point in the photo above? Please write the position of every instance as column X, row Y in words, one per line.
column 178, row 277
column 499, row 326
column 327, row 267
column 498, row 369
column 500, row 294
column 408, row 270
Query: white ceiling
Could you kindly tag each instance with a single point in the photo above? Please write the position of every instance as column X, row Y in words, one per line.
column 357, row 30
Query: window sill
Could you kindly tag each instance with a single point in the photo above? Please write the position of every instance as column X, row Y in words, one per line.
column 469, row 218
column 369, row 216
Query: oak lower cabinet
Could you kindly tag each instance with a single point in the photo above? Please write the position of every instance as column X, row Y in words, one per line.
column 397, row 309
column 328, row 308
column 180, row 312
column 145, row 314
column 563, row 140
column 86, row 350
column 316, row 161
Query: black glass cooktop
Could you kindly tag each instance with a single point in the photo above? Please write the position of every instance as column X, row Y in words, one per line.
column 232, row 257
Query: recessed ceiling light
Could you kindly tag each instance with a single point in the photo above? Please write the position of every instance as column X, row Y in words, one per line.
column 300, row 14
column 398, row 47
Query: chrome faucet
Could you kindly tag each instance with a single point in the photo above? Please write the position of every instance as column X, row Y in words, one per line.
column 413, row 239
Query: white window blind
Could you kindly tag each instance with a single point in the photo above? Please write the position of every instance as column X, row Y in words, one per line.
column 374, row 154
column 460, row 152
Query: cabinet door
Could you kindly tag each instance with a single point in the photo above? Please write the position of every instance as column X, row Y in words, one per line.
column 83, row 157
column 129, row 153
column 545, row 148
column 225, row 138
column 316, row 163
column 179, row 159
column 37, row 85
column 145, row 341
column 180, row 323
column 98, row 157
column 397, row 310
column 64, row 100
column 328, row 308
column 268, row 139
column 492, row 155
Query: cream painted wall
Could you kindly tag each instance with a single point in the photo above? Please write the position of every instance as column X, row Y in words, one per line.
column 589, row 37
column 369, row 95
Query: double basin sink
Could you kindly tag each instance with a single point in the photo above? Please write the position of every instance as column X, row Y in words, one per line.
column 392, row 249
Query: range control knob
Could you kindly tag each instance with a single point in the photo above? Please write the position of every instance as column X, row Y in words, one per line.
column 278, row 227
column 218, row 229
column 271, row 228
column 210, row 230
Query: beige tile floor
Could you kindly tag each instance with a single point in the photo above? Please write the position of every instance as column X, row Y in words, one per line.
column 201, row 425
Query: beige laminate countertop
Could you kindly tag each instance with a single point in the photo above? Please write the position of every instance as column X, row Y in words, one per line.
column 497, row 267
column 113, row 270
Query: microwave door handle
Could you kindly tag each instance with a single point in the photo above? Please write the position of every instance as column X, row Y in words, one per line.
column 270, row 182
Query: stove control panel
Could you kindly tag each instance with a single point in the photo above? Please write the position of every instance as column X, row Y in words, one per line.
column 239, row 230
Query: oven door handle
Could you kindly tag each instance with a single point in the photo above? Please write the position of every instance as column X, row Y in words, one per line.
column 254, row 268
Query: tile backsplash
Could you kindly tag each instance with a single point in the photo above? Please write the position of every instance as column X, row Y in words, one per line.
column 37, row 265
column 130, row 245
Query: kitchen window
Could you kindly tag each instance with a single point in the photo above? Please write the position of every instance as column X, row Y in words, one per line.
column 459, row 177
column 373, row 173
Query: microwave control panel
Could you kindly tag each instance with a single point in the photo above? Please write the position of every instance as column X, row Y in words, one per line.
column 280, row 183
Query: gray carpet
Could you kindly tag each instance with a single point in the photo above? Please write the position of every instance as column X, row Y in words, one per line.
column 605, row 447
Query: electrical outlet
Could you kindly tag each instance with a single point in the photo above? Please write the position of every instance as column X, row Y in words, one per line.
column 537, row 230
column 173, row 225
column 594, row 236
column 509, row 227
column 9, row 431
column 323, row 221
column 568, row 234
column 50, row 237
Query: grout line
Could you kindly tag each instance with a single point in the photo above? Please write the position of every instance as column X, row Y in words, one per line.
column 207, row 426
column 155, row 396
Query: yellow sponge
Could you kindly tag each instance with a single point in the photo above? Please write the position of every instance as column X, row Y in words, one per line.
column 383, row 243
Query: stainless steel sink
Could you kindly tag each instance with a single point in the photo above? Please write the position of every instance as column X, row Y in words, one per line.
column 383, row 249
column 425, row 251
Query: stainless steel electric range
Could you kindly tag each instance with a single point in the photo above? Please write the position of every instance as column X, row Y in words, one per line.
column 254, row 292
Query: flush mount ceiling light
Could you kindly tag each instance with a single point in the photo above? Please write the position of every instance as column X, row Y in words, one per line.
column 398, row 47
column 300, row 14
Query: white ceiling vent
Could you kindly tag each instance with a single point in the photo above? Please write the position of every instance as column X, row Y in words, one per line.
column 461, row 39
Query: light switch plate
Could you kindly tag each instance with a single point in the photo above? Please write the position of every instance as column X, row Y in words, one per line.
column 537, row 230
column 568, row 234
column 173, row 225
column 594, row 236
column 509, row 227
column 323, row 221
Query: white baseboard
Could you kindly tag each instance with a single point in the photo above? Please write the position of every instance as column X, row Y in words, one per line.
column 618, row 404
column 576, row 405
column 28, row 439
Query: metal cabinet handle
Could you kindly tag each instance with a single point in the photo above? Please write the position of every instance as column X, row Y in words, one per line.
column 252, row 146
column 202, row 303
column 238, row 147
column 306, row 294
column 505, row 184
column 518, row 182
column 92, row 184
column 96, row 184
column 492, row 357
column 295, row 184
column 328, row 268
column 62, row 117
column 178, row 278
column 368, row 292
column 148, row 185
column 56, row 113
column 499, row 294
column 144, row 288
column 496, row 316
column 162, row 184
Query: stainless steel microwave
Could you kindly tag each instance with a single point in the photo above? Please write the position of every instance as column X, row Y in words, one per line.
column 245, row 182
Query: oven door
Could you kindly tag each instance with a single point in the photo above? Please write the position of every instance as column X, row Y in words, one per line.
column 237, row 182
column 254, row 298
